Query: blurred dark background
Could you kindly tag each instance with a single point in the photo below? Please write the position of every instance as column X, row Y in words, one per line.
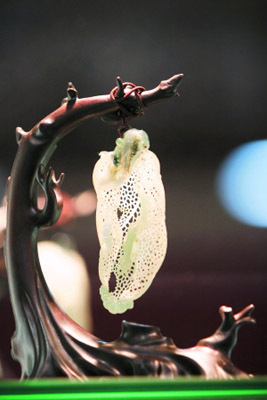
column 220, row 46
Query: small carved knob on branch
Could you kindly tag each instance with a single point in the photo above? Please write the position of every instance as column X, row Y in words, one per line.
column 225, row 337
column 72, row 94
column 53, row 197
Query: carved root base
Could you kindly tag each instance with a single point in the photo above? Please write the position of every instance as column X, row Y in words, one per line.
column 141, row 350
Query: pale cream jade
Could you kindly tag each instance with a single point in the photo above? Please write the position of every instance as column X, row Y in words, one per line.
column 130, row 220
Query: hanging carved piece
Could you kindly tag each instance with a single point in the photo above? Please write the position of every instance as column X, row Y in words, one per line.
column 130, row 220
column 47, row 343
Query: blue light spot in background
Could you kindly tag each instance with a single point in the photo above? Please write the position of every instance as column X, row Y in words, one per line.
column 242, row 183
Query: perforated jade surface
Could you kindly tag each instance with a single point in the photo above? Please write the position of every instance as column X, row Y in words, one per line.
column 130, row 220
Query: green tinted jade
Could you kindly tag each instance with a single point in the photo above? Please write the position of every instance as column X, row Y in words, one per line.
column 130, row 220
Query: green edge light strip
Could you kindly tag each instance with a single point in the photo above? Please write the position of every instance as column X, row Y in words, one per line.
column 146, row 395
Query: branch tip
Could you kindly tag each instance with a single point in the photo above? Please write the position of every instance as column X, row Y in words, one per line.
column 171, row 85
column 72, row 92
column 120, row 88
column 19, row 134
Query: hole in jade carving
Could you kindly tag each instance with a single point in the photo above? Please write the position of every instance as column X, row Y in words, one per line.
column 119, row 213
column 112, row 282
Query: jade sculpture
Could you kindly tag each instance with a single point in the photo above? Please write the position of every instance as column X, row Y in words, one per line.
column 47, row 343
